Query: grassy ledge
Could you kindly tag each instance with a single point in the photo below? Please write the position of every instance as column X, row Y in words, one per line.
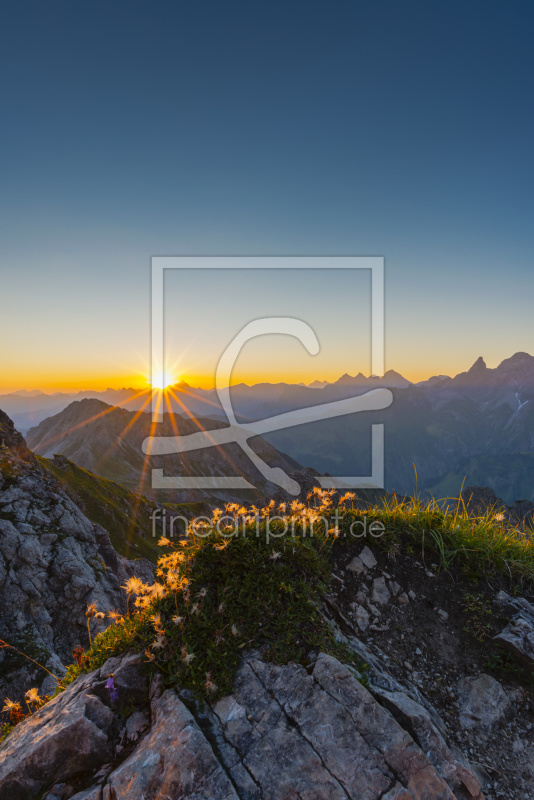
column 256, row 578
column 481, row 545
column 220, row 591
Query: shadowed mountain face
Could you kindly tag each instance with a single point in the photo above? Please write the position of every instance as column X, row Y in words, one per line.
column 478, row 425
column 108, row 441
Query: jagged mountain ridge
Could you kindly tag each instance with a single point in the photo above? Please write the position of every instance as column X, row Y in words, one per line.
column 252, row 402
column 470, row 426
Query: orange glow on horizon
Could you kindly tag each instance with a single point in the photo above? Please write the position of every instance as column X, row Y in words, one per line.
column 138, row 382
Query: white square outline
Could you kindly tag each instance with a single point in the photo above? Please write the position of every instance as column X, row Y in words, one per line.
column 375, row 263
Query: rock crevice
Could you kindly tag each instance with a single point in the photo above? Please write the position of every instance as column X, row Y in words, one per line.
column 283, row 733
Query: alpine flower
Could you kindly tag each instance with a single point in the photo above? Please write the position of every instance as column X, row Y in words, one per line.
column 112, row 689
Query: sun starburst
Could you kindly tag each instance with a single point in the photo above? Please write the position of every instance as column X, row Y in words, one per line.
column 162, row 380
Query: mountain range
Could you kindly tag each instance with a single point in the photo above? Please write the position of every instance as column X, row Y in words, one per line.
column 107, row 440
column 27, row 409
column 478, row 426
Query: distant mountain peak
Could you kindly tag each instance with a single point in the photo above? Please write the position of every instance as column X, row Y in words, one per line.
column 346, row 378
column 391, row 373
column 517, row 360
column 479, row 364
column 87, row 402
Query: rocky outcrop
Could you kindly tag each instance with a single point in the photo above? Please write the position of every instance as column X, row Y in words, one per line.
column 74, row 735
column 426, row 649
column 53, row 562
column 285, row 732
column 518, row 636
column 11, row 439
column 483, row 702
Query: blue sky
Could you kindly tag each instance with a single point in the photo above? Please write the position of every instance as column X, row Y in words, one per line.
column 378, row 128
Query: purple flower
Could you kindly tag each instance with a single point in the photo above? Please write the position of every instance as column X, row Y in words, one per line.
column 113, row 691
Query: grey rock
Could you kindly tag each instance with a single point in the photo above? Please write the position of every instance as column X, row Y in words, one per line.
column 398, row 792
column 282, row 733
column 61, row 791
column 356, row 566
column 95, row 793
column 367, row 558
column 482, row 703
column 174, row 759
column 129, row 678
column 328, row 724
column 141, row 568
column 380, row 594
column 69, row 735
column 518, row 636
column 362, row 617
column 431, row 740
column 135, row 725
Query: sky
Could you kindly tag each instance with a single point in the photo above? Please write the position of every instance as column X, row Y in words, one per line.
column 131, row 130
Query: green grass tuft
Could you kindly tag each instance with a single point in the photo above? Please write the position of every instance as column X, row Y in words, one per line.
column 482, row 544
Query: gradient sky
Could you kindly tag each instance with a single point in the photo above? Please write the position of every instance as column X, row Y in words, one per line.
column 166, row 128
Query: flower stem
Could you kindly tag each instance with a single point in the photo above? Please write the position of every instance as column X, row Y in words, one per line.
column 6, row 644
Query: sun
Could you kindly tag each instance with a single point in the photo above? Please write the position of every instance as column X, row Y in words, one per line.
column 162, row 380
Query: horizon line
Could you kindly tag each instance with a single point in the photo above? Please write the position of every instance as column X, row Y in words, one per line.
column 135, row 386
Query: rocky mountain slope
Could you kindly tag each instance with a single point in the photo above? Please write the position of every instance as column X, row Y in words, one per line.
column 286, row 732
column 425, row 720
column 53, row 562
column 126, row 516
column 108, row 441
